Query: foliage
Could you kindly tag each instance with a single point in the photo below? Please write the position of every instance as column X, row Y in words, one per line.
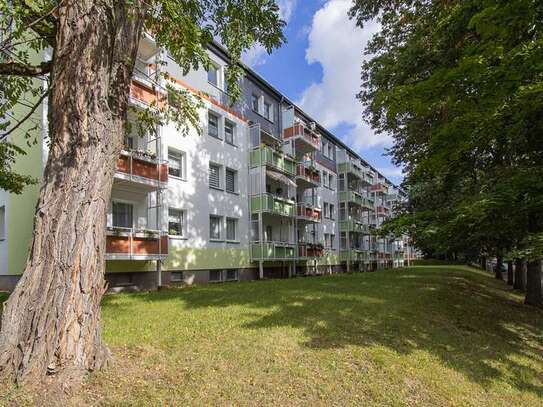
column 459, row 86
column 183, row 28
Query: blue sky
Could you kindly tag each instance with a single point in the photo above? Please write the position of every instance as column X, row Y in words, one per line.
column 319, row 69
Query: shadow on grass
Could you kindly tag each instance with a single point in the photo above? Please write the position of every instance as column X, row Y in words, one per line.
column 463, row 317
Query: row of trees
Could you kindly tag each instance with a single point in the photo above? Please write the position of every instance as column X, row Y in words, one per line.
column 459, row 86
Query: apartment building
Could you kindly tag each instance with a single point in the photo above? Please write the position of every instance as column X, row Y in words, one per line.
column 263, row 192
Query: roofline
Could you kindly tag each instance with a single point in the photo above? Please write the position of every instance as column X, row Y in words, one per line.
column 218, row 48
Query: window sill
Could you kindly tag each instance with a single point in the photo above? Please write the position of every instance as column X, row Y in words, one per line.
column 177, row 178
column 177, row 237
column 214, row 137
column 233, row 242
column 216, row 188
column 231, row 144
column 217, row 240
column 233, row 192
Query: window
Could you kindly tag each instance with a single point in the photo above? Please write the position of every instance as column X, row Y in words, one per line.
column 229, row 132
column 215, row 275
column 325, row 178
column 332, row 211
column 326, row 240
column 231, row 275
column 231, row 180
column 214, row 176
column 231, row 229
column 213, row 125
column 2, row 222
column 267, row 111
column 213, row 75
column 176, row 222
column 326, row 210
column 128, row 142
column 341, row 182
column 122, row 214
column 176, row 163
column 254, row 103
column 332, row 238
column 330, row 151
column 331, row 181
column 176, row 276
column 215, row 227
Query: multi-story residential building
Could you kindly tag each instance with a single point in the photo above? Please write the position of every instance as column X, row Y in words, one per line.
column 264, row 191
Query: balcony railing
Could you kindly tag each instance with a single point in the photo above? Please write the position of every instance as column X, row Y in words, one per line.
column 356, row 198
column 308, row 174
column 268, row 203
column 308, row 212
column 271, row 251
column 310, row 250
column 354, row 255
column 305, row 138
column 265, row 155
column 130, row 244
column 141, row 168
column 379, row 188
column 353, row 169
column 354, row 226
column 382, row 211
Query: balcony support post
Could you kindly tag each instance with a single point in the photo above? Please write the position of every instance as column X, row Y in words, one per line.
column 159, row 274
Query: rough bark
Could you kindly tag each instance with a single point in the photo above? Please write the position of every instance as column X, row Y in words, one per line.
column 499, row 267
column 534, row 294
column 510, row 273
column 520, row 275
column 51, row 322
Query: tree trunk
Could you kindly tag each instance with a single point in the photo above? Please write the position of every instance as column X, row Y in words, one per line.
column 510, row 274
column 51, row 322
column 499, row 266
column 534, row 294
column 520, row 280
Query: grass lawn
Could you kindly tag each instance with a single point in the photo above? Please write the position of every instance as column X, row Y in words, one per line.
column 443, row 335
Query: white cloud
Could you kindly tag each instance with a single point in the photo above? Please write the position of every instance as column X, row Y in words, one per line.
column 392, row 172
column 257, row 55
column 337, row 45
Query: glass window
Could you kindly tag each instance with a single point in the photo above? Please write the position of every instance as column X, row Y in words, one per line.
column 128, row 142
column 122, row 214
column 176, row 222
column 213, row 75
column 229, row 131
column 267, row 111
column 213, row 125
column 176, row 163
column 215, row 275
column 231, row 180
column 231, row 229
column 332, row 211
column 2, row 222
column 332, row 238
column 341, row 182
column 326, row 209
column 215, row 227
column 214, row 175
column 331, row 181
column 254, row 103
column 176, row 276
column 231, row 275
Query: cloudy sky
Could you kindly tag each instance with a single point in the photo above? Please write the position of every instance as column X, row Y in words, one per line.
column 319, row 69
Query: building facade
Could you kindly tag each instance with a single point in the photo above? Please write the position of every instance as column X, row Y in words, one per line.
column 262, row 191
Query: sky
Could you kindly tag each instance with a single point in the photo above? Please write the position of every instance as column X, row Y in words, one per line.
column 319, row 69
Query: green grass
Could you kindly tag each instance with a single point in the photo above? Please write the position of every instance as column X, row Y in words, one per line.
column 445, row 335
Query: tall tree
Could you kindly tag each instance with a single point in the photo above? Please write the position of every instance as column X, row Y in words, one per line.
column 51, row 322
column 459, row 86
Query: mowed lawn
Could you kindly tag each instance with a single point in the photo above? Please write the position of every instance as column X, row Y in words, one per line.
column 444, row 335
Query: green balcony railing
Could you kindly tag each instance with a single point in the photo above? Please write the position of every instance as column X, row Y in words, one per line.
column 271, row 251
column 353, row 226
column 354, row 255
column 356, row 198
column 272, row 204
column 360, row 173
column 265, row 155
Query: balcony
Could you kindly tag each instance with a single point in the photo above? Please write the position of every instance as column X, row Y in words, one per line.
column 307, row 176
column 275, row 205
column 354, row 255
column 129, row 244
column 267, row 156
column 382, row 211
column 379, row 188
column 147, row 48
column 141, row 168
column 310, row 250
column 273, row 251
column 305, row 139
column 358, row 172
column 308, row 213
column 357, row 199
column 354, row 226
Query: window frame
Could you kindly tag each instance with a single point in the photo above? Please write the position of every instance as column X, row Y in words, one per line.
column 236, row 183
column 219, row 220
column 211, row 113
column 183, row 223
column 182, row 159
column 254, row 98
column 122, row 202
column 231, row 124
column 214, row 66
column 219, row 176
column 236, row 228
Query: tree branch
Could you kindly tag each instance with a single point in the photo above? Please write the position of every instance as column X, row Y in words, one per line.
column 24, row 119
column 20, row 69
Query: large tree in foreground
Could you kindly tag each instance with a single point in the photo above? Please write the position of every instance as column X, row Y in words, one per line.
column 459, row 86
column 51, row 322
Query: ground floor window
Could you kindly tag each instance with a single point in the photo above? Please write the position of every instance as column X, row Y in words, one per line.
column 215, row 275
column 231, row 275
column 177, row 276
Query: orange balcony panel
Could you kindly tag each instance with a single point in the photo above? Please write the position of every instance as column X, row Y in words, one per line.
column 311, row 174
column 308, row 212
column 300, row 130
column 142, row 93
column 143, row 168
column 137, row 246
